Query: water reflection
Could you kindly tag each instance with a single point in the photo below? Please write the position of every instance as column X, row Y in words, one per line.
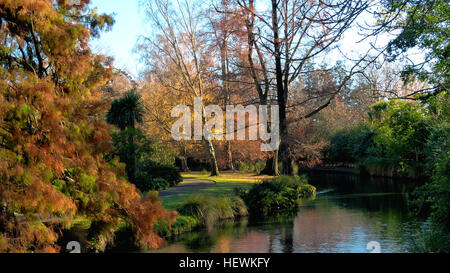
column 350, row 213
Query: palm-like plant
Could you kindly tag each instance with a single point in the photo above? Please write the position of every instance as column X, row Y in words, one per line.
column 125, row 113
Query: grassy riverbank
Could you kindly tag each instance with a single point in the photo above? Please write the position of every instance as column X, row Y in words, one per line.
column 224, row 186
column 214, row 203
column 221, row 201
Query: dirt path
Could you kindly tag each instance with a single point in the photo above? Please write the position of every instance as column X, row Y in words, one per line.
column 189, row 185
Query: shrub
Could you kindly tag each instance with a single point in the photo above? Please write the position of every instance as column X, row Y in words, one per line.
column 169, row 173
column 276, row 196
column 377, row 166
column 140, row 149
column 154, row 170
column 432, row 240
column 160, row 183
column 259, row 166
column 244, row 167
column 251, row 167
column 350, row 144
column 163, row 154
column 146, row 183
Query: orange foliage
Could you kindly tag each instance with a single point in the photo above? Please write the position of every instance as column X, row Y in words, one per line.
column 53, row 133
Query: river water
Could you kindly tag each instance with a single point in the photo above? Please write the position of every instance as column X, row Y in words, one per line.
column 347, row 214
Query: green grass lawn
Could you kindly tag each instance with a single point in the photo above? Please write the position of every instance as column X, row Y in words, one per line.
column 225, row 184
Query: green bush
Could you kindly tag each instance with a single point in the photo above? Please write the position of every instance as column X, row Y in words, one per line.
column 155, row 161
column 244, row 167
column 377, row 166
column 169, row 173
column 144, row 182
column 436, row 193
column 147, row 183
column 259, row 166
column 276, row 196
column 163, row 154
column 390, row 143
column 251, row 167
column 434, row 196
column 432, row 240
column 156, row 178
column 350, row 144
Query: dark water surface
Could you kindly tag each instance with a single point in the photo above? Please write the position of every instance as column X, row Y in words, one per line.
column 348, row 213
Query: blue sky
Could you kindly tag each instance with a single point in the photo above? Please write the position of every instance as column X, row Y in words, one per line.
column 120, row 42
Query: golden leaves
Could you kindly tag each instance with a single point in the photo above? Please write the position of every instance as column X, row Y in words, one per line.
column 53, row 135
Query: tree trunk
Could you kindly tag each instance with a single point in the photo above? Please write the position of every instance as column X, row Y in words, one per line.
column 275, row 168
column 286, row 159
column 211, row 150
column 183, row 159
column 132, row 164
column 184, row 164
column 271, row 167
column 281, row 94
column 212, row 158
column 226, row 91
column 230, row 156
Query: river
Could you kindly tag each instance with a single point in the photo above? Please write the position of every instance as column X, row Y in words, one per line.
column 347, row 214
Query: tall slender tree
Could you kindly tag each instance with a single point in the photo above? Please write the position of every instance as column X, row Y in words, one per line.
column 126, row 113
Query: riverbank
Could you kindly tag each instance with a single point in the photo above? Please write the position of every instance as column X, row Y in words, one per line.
column 220, row 193
column 371, row 169
column 333, row 168
column 233, row 196
column 224, row 185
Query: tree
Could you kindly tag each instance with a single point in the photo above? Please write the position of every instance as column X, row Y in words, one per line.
column 225, row 25
column 401, row 133
column 125, row 113
column 257, row 68
column 436, row 192
column 119, row 84
column 423, row 25
column 180, row 47
column 293, row 33
column 53, row 135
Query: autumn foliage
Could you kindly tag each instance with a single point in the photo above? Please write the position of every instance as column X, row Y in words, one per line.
column 53, row 132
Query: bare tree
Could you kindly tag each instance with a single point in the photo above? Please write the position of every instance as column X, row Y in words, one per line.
column 294, row 33
column 179, row 44
column 224, row 26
